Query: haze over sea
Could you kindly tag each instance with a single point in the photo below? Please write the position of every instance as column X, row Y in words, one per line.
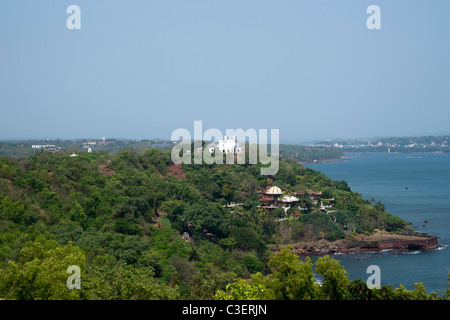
column 385, row 177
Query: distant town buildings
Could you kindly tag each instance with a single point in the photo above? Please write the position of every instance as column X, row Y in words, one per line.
column 45, row 146
column 394, row 144
column 89, row 146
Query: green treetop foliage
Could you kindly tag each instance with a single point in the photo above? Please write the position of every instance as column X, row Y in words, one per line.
column 137, row 230
column 292, row 279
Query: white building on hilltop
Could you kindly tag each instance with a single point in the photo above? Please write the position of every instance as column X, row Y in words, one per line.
column 229, row 145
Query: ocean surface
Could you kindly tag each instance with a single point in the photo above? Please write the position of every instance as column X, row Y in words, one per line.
column 415, row 187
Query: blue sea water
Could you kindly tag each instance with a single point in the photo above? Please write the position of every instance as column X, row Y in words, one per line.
column 415, row 187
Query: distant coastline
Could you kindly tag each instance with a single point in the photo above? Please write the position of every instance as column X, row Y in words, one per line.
column 366, row 153
column 343, row 158
column 430, row 143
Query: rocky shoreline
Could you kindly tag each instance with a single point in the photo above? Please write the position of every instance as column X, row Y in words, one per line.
column 374, row 243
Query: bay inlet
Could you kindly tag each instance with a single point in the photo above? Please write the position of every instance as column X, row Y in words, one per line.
column 415, row 187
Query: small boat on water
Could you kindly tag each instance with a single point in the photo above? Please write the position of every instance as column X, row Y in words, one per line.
column 406, row 188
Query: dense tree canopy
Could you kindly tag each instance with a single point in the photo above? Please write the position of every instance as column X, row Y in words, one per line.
column 140, row 227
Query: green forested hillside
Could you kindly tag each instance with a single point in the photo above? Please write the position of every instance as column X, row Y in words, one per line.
column 121, row 218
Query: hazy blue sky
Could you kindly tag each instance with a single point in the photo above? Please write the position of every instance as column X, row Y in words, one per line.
column 141, row 69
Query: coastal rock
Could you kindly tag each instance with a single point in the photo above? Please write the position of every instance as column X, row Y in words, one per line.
column 373, row 243
column 423, row 242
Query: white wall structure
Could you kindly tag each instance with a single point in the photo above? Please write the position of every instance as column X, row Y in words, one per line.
column 229, row 145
